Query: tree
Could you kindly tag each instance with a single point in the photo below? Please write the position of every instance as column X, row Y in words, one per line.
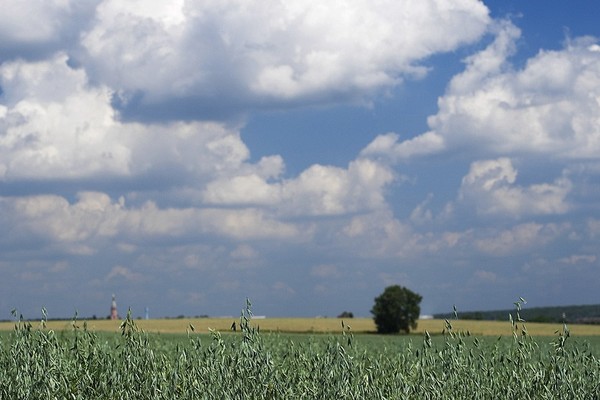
column 397, row 308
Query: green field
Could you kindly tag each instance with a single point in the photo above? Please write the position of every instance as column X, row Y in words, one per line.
column 78, row 360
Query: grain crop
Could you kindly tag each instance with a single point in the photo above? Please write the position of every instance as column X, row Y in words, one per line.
column 78, row 363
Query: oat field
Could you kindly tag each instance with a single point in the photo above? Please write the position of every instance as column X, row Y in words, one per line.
column 79, row 363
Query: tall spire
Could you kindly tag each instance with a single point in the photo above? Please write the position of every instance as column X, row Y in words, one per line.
column 113, row 309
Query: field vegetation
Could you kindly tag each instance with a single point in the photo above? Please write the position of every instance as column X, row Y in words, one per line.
column 78, row 363
column 320, row 325
column 574, row 314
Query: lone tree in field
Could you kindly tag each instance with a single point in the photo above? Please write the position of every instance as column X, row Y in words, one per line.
column 397, row 308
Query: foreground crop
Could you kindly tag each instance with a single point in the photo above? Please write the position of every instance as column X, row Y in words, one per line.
column 41, row 364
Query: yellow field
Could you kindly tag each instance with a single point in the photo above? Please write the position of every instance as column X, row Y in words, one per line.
column 314, row 325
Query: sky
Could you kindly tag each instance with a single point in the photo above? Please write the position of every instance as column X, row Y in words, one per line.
column 187, row 155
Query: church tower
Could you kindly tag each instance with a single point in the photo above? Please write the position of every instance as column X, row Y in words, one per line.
column 113, row 309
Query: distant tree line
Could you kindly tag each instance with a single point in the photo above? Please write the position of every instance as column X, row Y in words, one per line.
column 577, row 314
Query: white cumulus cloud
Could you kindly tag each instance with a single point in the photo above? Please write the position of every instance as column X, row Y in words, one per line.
column 550, row 106
column 243, row 53
column 318, row 190
column 94, row 217
column 53, row 125
column 490, row 187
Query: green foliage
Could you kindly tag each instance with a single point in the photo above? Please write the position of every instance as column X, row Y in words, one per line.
column 582, row 314
column 40, row 364
column 396, row 309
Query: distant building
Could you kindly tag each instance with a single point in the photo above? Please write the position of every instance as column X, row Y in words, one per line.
column 113, row 309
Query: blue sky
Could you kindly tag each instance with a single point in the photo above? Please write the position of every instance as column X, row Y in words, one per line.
column 186, row 155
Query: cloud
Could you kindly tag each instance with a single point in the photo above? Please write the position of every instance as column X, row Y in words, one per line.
column 593, row 227
column 377, row 234
column 242, row 190
column 421, row 214
column 388, row 146
column 579, row 259
column 52, row 217
column 38, row 140
column 95, row 217
column 490, row 188
column 55, row 125
column 319, row 190
column 485, row 276
column 283, row 288
column 217, row 59
column 119, row 272
column 244, row 252
column 57, row 25
column 549, row 107
column 325, row 271
column 522, row 237
column 326, row 190
column 198, row 161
